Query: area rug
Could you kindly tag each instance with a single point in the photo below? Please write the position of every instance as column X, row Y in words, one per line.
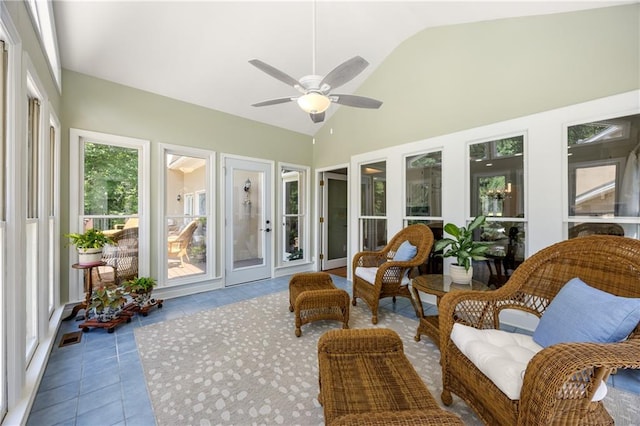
column 241, row 364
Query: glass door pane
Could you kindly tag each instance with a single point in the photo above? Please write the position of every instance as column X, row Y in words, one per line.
column 248, row 208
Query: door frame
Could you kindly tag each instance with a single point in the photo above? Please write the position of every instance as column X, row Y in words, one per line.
column 225, row 221
column 319, row 209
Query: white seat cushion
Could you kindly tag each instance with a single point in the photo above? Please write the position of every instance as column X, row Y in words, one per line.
column 502, row 356
column 369, row 275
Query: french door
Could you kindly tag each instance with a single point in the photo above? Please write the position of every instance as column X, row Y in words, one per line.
column 248, row 220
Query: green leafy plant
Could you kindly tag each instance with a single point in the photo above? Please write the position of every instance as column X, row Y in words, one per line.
column 104, row 299
column 462, row 246
column 92, row 238
column 139, row 285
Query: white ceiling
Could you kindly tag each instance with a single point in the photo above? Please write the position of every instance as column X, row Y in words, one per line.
column 198, row 51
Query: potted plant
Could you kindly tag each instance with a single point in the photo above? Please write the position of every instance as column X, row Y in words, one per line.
column 140, row 290
column 463, row 248
column 89, row 245
column 106, row 304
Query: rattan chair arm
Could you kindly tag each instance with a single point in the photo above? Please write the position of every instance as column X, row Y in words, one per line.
column 570, row 372
column 369, row 258
column 359, row 341
column 399, row 418
column 477, row 309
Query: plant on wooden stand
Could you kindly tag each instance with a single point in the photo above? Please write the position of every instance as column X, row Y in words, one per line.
column 463, row 248
column 89, row 245
column 140, row 290
column 106, row 304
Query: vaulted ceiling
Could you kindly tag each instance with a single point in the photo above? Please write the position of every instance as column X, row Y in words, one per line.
column 198, row 51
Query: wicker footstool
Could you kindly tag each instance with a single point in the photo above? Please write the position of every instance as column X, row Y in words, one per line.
column 366, row 379
column 314, row 297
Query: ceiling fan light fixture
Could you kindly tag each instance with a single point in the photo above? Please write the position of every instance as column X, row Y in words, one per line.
column 314, row 103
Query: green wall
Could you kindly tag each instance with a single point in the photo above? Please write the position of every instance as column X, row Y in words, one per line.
column 452, row 78
column 101, row 106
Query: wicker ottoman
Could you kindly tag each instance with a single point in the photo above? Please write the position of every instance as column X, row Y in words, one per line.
column 314, row 297
column 366, row 379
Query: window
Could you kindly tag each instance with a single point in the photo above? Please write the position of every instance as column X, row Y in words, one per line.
column 423, row 197
column 497, row 191
column 42, row 16
column 294, row 238
column 187, row 178
column 32, row 229
column 373, row 206
column 108, row 192
column 423, row 180
column 604, row 177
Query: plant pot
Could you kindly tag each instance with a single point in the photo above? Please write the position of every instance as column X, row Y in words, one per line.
column 459, row 275
column 89, row 256
column 106, row 315
column 142, row 299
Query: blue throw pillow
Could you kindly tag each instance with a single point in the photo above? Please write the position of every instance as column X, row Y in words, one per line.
column 580, row 313
column 406, row 251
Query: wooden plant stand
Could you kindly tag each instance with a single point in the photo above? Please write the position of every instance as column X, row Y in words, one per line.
column 124, row 317
column 145, row 310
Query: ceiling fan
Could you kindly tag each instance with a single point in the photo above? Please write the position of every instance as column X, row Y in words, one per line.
column 316, row 90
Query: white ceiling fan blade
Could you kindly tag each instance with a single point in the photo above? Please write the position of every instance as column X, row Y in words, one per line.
column 273, row 102
column 317, row 118
column 344, row 72
column 275, row 73
column 356, row 101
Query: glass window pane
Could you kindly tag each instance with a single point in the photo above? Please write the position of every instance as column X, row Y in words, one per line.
column 424, row 185
column 373, row 189
column 110, row 180
column 374, row 234
column 506, row 251
column 186, row 221
column 604, row 169
column 497, row 177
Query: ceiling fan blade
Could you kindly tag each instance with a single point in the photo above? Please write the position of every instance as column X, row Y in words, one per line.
column 275, row 73
column 356, row 101
column 344, row 72
column 273, row 102
column 317, row 118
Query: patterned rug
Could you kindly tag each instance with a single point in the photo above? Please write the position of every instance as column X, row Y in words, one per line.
column 241, row 364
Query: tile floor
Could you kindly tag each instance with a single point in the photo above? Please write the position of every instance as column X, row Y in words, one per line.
column 100, row 381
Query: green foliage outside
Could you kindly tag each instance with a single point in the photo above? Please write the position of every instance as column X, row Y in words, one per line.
column 584, row 131
column 110, row 180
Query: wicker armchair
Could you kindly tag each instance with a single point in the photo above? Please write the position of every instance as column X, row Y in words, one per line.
column 391, row 278
column 121, row 259
column 177, row 244
column 560, row 380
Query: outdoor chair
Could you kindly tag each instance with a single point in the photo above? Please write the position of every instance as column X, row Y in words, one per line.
column 121, row 259
column 556, row 378
column 584, row 229
column 385, row 273
column 177, row 244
